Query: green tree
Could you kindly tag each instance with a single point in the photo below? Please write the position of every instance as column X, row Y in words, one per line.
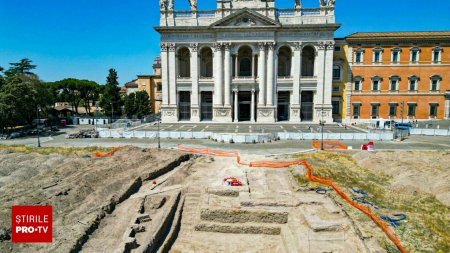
column 23, row 67
column 130, row 108
column 142, row 104
column 110, row 100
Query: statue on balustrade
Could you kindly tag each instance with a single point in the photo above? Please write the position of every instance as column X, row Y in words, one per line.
column 322, row 3
column 171, row 5
column 162, row 4
column 298, row 4
column 331, row 3
column 193, row 4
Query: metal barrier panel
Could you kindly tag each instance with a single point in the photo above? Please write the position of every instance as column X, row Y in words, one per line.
column 139, row 134
column 116, row 134
column 308, row 136
column 151, row 134
column 416, row 131
column 186, row 135
column 334, row 136
column 127, row 135
column 104, row 134
column 164, row 134
column 239, row 139
column 429, row 132
column 347, row 136
column 360, row 136
column 174, row 135
column 373, row 136
column 389, row 136
column 441, row 132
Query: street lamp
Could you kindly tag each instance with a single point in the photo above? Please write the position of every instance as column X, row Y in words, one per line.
column 322, row 124
column 112, row 113
column 159, row 139
column 37, row 126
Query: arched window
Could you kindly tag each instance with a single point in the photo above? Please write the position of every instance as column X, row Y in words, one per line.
column 284, row 61
column 245, row 61
column 184, row 62
column 206, row 62
column 308, row 58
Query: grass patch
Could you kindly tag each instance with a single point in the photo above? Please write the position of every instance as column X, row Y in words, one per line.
column 66, row 151
column 428, row 226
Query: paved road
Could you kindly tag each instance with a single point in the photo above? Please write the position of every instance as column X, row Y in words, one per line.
column 279, row 147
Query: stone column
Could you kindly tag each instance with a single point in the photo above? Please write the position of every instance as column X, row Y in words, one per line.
column 172, row 75
column 253, row 66
column 164, row 74
column 296, row 74
column 236, row 106
column 236, row 69
column 262, row 74
column 218, row 80
column 228, row 73
column 322, row 102
column 270, row 74
column 195, row 112
column 252, row 109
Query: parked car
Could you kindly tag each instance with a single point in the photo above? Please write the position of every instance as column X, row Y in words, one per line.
column 14, row 135
column 403, row 126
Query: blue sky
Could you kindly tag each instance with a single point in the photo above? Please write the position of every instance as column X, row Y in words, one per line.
column 84, row 38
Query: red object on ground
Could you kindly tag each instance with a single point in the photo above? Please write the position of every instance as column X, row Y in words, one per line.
column 232, row 181
column 154, row 182
column 364, row 147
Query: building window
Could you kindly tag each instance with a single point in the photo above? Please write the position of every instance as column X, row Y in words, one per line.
column 375, row 110
column 415, row 54
column 336, row 73
column 356, row 110
column 143, row 83
column 376, row 80
column 336, row 88
column 377, row 55
column 392, row 110
column 184, row 62
column 396, row 55
column 394, row 83
column 437, row 54
column 308, row 61
column 412, row 110
column 158, row 87
column 434, row 82
column 337, row 49
column 359, row 55
column 336, row 103
column 413, row 83
column 433, row 110
column 357, row 85
column 284, row 61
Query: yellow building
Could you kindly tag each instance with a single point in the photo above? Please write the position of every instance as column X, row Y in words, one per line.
column 152, row 84
column 341, row 78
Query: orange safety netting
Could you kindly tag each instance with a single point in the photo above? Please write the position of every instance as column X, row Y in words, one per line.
column 329, row 145
column 326, row 181
column 106, row 154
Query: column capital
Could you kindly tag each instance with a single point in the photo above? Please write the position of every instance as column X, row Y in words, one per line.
column 271, row 45
column 262, row 46
column 227, row 46
column 236, row 90
column 253, row 90
column 330, row 45
column 217, row 47
column 171, row 47
column 322, row 45
column 298, row 45
column 163, row 47
column 194, row 47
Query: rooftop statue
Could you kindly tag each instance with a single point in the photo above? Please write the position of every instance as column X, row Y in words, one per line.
column 331, row 3
column 322, row 3
column 298, row 4
column 193, row 4
column 162, row 4
column 171, row 5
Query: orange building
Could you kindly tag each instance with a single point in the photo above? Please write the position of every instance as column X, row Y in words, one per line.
column 398, row 75
column 152, row 84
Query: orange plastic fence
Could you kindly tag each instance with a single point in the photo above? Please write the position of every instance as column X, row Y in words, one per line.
column 106, row 154
column 326, row 181
column 329, row 145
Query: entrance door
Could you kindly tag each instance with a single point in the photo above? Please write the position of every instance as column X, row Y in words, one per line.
column 184, row 105
column 307, row 108
column 245, row 100
column 206, row 106
column 283, row 105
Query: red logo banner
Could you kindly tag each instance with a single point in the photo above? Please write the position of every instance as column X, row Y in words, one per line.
column 31, row 224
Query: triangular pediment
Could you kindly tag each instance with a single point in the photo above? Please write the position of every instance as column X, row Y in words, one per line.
column 245, row 18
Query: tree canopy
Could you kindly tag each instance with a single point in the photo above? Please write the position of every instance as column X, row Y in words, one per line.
column 110, row 100
column 137, row 104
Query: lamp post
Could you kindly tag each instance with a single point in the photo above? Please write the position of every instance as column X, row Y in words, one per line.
column 322, row 124
column 112, row 114
column 37, row 126
column 159, row 138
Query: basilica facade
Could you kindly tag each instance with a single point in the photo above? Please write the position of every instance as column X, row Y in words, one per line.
column 247, row 61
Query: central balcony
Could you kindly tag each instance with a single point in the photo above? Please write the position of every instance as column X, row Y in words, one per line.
column 244, row 79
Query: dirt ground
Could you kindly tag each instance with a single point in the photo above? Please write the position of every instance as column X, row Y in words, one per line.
column 81, row 190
